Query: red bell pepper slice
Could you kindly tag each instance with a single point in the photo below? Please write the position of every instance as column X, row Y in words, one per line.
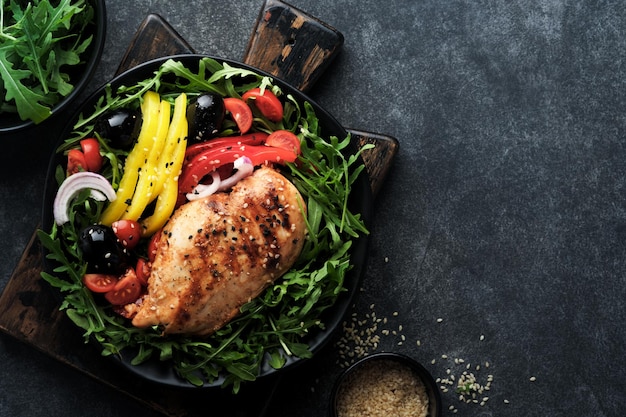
column 256, row 138
column 210, row 160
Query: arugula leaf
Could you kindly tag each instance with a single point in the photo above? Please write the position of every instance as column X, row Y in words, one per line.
column 39, row 41
column 26, row 100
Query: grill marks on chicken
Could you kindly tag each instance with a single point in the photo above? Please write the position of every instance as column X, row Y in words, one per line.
column 218, row 253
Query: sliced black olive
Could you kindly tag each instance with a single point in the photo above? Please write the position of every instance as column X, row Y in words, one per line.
column 120, row 127
column 102, row 251
column 205, row 116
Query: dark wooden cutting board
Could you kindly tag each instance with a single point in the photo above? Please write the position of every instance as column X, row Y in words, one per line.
column 285, row 42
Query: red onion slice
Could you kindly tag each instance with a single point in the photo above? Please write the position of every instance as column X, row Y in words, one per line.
column 100, row 187
column 244, row 168
column 203, row 190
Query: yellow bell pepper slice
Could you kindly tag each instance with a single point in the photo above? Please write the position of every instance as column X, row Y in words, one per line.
column 135, row 160
column 145, row 190
column 172, row 158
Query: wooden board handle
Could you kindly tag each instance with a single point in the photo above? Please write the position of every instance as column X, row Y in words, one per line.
column 292, row 45
column 142, row 48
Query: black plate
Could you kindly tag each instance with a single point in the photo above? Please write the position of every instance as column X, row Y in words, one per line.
column 360, row 202
column 79, row 74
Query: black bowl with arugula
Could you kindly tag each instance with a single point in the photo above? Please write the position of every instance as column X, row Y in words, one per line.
column 290, row 320
column 66, row 39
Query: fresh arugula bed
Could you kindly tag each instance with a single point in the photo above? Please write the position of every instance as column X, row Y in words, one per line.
column 276, row 325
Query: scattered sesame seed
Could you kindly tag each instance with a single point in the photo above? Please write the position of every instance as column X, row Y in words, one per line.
column 533, row 379
column 439, row 320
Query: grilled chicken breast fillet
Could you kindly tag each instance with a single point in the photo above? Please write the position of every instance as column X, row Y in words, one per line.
column 218, row 253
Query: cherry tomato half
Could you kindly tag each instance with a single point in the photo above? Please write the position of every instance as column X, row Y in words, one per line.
column 75, row 162
column 268, row 104
column 100, row 283
column 284, row 139
column 126, row 291
column 91, row 150
column 153, row 245
column 240, row 112
column 128, row 232
column 143, row 270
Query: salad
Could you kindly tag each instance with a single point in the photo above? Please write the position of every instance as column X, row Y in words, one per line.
column 99, row 157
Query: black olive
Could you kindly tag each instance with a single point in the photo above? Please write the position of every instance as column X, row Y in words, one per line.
column 102, row 251
column 120, row 127
column 205, row 116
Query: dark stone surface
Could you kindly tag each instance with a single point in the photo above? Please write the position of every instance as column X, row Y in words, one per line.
column 504, row 214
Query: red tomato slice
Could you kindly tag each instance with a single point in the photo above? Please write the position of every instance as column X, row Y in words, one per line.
column 99, row 283
column 128, row 232
column 143, row 270
column 75, row 162
column 240, row 112
column 284, row 139
column 91, row 150
column 268, row 104
column 126, row 291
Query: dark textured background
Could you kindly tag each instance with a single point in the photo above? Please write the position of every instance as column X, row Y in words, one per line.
column 504, row 213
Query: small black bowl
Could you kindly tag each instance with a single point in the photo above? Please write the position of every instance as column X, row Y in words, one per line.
column 80, row 75
column 432, row 392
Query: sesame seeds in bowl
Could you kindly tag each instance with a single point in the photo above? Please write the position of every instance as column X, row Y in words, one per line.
column 385, row 384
